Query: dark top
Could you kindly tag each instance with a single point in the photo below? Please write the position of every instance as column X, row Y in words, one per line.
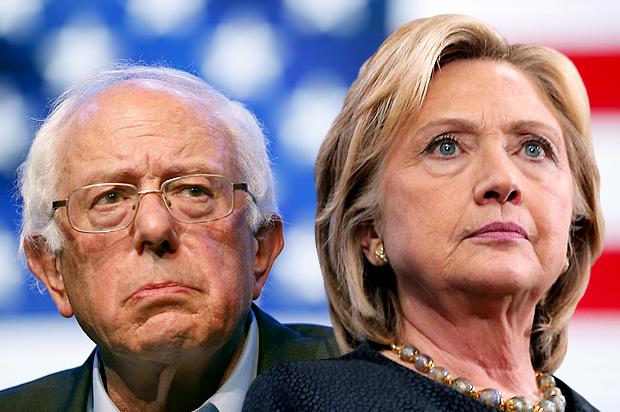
column 67, row 391
column 364, row 380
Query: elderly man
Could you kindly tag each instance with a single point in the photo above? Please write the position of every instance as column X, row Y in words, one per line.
column 149, row 214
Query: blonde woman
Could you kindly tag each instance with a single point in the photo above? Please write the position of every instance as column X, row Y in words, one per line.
column 458, row 218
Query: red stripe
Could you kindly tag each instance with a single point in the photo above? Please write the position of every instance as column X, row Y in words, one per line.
column 600, row 73
column 604, row 289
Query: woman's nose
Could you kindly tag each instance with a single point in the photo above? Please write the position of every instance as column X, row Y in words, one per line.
column 498, row 179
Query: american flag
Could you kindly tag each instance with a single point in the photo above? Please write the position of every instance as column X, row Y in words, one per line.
column 291, row 62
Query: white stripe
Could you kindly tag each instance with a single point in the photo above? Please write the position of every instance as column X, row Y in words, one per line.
column 605, row 132
column 592, row 360
column 568, row 25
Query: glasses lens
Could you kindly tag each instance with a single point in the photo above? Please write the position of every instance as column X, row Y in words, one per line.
column 102, row 207
column 199, row 198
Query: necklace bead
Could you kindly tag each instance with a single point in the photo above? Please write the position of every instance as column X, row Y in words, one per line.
column 545, row 405
column 552, row 401
column 560, row 401
column 519, row 404
column 545, row 380
column 464, row 386
column 439, row 374
column 407, row 353
column 423, row 363
column 491, row 397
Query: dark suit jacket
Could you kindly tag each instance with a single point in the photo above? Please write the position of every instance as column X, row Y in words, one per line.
column 67, row 391
column 365, row 380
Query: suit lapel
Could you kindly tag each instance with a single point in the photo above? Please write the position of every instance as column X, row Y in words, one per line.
column 80, row 387
column 279, row 343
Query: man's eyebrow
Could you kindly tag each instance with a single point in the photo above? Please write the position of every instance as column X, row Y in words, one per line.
column 123, row 175
column 184, row 170
column 115, row 176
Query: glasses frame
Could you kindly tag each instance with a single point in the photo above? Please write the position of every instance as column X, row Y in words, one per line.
column 242, row 186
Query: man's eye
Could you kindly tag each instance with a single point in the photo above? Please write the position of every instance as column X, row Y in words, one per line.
column 109, row 198
column 196, row 191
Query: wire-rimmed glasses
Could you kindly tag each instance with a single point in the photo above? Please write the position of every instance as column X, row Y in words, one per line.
column 108, row 207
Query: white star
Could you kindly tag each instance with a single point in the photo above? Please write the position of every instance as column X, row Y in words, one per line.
column 243, row 57
column 308, row 114
column 15, row 130
column 10, row 276
column 18, row 16
column 75, row 51
column 165, row 17
column 329, row 16
column 297, row 269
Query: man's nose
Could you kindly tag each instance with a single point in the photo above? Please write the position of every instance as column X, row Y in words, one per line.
column 153, row 226
column 498, row 178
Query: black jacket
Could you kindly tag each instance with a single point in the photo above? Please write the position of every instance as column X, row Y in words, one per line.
column 364, row 380
column 67, row 391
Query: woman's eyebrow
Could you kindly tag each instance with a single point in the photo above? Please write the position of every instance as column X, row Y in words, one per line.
column 455, row 123
column 533, row 126
column 466, row 125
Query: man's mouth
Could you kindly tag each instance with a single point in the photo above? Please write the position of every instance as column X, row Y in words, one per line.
column 160, row 288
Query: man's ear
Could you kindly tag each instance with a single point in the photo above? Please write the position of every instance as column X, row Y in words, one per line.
column 270, row 243
column 45, row 265
column 370, row 241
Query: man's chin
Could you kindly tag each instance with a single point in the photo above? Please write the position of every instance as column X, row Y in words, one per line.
column 170, row 338
column 161, row 336
column 161, row 348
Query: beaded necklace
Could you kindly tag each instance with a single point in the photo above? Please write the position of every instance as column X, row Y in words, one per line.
column 552, row 401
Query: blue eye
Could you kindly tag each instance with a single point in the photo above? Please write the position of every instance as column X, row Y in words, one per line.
column 533, row 150
column 538, row 148
column 447, row 148
column 443, row 146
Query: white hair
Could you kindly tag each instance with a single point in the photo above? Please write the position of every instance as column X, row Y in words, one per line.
column 38, row 176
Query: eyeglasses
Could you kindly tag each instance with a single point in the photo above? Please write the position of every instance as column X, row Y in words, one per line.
column 108, row 207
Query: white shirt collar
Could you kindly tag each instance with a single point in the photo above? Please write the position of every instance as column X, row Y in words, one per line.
column 228, row 398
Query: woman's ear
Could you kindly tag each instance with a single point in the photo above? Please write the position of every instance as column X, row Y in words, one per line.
column 45, row 265
column 372, row 245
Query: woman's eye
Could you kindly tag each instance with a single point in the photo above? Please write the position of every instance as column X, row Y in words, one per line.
column 538, row 148
column 443, row 146
column 534, row 150
column 447, row 148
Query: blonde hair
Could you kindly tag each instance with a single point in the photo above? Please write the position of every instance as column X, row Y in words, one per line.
column 390, row 88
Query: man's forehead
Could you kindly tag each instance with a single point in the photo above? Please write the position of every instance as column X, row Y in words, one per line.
column 140, row 123
column 124, row 98
column 138, row 104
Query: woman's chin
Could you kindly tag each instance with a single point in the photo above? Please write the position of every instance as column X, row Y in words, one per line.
column 499, row 282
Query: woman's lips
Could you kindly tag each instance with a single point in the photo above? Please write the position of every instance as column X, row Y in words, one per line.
column 160, row 288
column 501, row 231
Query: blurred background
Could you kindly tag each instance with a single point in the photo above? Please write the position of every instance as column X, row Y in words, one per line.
column 289, row 61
